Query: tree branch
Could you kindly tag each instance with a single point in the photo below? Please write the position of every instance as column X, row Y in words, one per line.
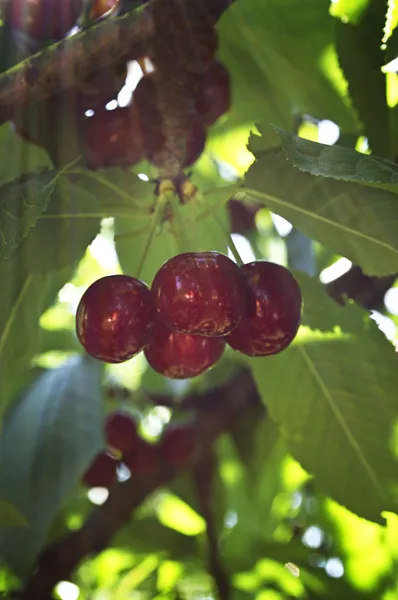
column 65, row 64
column 59, row 560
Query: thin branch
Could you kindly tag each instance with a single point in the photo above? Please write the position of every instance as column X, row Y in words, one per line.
column 72, row 60
column 59, row 560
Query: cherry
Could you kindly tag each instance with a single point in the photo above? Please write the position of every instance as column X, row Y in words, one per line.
column 242, row 216
column 102, row 471
column 181, row 356
column 101, row 7
column 192, row 133
column 200, row 293
column 143, row 458
column 179, row 446
column 112, row 138
column 121, row 431
column 213, row 96
column 43, row 19
column 114, row 318
column 273, row 311
column 102, row 87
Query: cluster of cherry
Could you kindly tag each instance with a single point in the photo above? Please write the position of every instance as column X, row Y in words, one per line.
column 124, row 136
column 198, row 302
column 177, row 448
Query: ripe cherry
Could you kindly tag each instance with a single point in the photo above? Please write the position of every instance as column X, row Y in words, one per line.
column 143, row 458
column 181, row 356
column 121, row 431
column 102, row 87
column 179, row 446
column 43, row 19
column 200, row 293
column 112, row 138
column 101, row 7
column 273, row 311
column 102, row 471
column 213, row 96
column 192, row 133
column 114, row 318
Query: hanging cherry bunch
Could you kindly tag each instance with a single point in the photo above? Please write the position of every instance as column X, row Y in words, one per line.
column 198, row 303
column 177, row 449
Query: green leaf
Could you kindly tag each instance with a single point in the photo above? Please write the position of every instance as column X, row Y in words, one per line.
column 361, row 58
column 339, row 421
column 22, row 202
column 48, row 440
column 20, row 157
column 350, row 219
column 10, row 516
column 282, row 61
column 338, row 162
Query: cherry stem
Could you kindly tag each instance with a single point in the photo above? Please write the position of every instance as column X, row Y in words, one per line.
column 230, row 241
column 156, row 219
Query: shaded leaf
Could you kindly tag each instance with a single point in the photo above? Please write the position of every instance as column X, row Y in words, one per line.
column 352, row 220
column 21, row 203
column 338, row 162
column 10, row 516
column 361, row 58
column 339, row 422
column 58, row 425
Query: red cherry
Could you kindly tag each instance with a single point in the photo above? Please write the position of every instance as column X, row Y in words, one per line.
column 121, row 431
column 181, row 356
column 179, row 446
column 102, row 471
column 112, row 138
column 192, row 133
column 101, row 7
column 143, row 458
column 114, row 318
column 43, row 19
column 102, row 87
column 200, row 293
column 273, row 312
column 213, row 97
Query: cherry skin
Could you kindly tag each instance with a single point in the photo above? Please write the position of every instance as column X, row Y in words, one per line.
column 121, row 431
column 114, row 318
column 102, row 471
column 179, row 446
column 200, row 293
column 273, row 311
column 43, row 19
column 181, row 356
column 101, row 7
column 213, row 97
column 143, row 459
column 102, row 87
column 112, row 138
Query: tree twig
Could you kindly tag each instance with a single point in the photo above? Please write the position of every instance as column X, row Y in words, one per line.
column 72, row 60
column 58, row 561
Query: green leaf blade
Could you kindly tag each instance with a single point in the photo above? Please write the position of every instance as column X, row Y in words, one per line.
column 339, row 421
column 58, row 425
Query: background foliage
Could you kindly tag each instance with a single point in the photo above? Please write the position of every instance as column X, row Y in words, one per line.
column 305, row 493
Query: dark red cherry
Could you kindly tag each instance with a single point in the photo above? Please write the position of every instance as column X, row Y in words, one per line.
column 121, row 431
column 200, row 293
column 273, row 312
column 213, row 96
column 43, row 19
column 112, row 138
column 143, row 458
column 102, row 87
column 114, row 318
column 179, row 445
column 102, row 471
column 101, row 7
column 181, row 356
